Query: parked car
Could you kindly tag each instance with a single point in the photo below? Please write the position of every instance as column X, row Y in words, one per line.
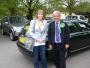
column 12, row 25
column 0, row 22
column 76, row 17
column 79, row 39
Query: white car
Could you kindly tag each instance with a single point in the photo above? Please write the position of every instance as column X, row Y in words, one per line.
column 76, row 17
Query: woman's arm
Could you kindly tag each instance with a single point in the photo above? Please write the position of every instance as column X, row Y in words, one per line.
column 30, row 32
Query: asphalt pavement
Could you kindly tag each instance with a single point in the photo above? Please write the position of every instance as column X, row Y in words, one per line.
column 10, row 57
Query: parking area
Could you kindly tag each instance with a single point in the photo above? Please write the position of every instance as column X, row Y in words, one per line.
column 10, row 57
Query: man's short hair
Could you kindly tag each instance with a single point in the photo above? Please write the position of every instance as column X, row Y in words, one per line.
column 56, row 12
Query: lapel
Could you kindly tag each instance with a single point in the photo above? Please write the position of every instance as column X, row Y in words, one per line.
column 45, row 26
column 53, row 27
column 62, row 30
column 62, row 27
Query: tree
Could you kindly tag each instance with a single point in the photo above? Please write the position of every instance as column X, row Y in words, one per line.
column 63, row 5
column 10, row 5
column 2, row 9
column 22, row 7
column 83, row 7
column 31, row 6
column 54, row 5
column 70, row 5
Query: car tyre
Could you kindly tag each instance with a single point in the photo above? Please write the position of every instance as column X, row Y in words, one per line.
column 67, row 54
column 12, row 37
column 2, row 32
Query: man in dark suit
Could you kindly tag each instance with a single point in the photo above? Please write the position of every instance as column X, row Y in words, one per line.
column 58, row 39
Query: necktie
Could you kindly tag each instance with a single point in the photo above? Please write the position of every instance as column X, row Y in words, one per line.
column 58, row 31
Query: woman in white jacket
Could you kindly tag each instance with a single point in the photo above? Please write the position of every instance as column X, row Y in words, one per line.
column 38, row 31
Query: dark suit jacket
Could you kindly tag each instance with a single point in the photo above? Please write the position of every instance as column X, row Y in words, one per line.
column 64, row 34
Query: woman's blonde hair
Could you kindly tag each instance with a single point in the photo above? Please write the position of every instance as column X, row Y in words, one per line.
column 40, row 11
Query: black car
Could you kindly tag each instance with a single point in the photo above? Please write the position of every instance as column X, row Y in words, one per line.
column 12, row 25
column 79, row 39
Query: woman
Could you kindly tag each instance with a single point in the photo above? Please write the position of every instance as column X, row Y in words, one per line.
column 38, row 31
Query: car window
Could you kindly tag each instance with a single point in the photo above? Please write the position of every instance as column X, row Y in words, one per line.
column 5, row 19
column 82, row 17
column 48, row 18
column 74, row 17
column 17, row 20
column 73, row 28
column 68, row 17
column 71, row 17
column 84, row 26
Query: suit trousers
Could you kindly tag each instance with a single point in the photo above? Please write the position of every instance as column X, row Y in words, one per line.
column 59, row 55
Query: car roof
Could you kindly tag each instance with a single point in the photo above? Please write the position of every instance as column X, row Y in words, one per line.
column 75, row 15
column 70, row 22
column 76, row 20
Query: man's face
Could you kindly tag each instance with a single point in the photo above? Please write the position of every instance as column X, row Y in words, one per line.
column 56, row 17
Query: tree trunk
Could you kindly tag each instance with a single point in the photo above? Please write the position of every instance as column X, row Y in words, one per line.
column 30, row 14
column 12, row 11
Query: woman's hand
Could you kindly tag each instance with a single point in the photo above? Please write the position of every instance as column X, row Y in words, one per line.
column 40, row 40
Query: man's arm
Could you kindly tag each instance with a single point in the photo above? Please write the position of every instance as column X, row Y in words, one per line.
column 49, row 37
column 67, row 32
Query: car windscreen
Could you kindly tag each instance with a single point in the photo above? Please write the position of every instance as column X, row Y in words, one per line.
column 74, row 17
column 82, row 17
column 84, row 26
column 71, row 17
column 72, row 27
column 17, row 21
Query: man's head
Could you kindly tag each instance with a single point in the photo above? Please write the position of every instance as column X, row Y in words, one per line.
column 56, row 16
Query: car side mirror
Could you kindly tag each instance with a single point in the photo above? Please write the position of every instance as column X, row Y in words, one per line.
column 6, row 22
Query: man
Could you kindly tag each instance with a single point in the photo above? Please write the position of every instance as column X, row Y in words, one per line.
column 58, row 38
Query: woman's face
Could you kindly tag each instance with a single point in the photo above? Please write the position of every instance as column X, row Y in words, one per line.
column 40, row 16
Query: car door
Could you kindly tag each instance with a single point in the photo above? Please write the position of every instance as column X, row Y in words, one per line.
column 5, row 25
column 78, row 38
column 8, row 25
column 85, row 29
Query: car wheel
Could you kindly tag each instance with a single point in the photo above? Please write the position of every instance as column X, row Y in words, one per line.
column 12, row 38
column 2, row 31
column 67, row 54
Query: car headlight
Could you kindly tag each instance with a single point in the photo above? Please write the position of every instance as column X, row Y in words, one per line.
column 15, row 28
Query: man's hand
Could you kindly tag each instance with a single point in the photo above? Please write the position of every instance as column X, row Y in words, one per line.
column 50, row 46
column 66, row 46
